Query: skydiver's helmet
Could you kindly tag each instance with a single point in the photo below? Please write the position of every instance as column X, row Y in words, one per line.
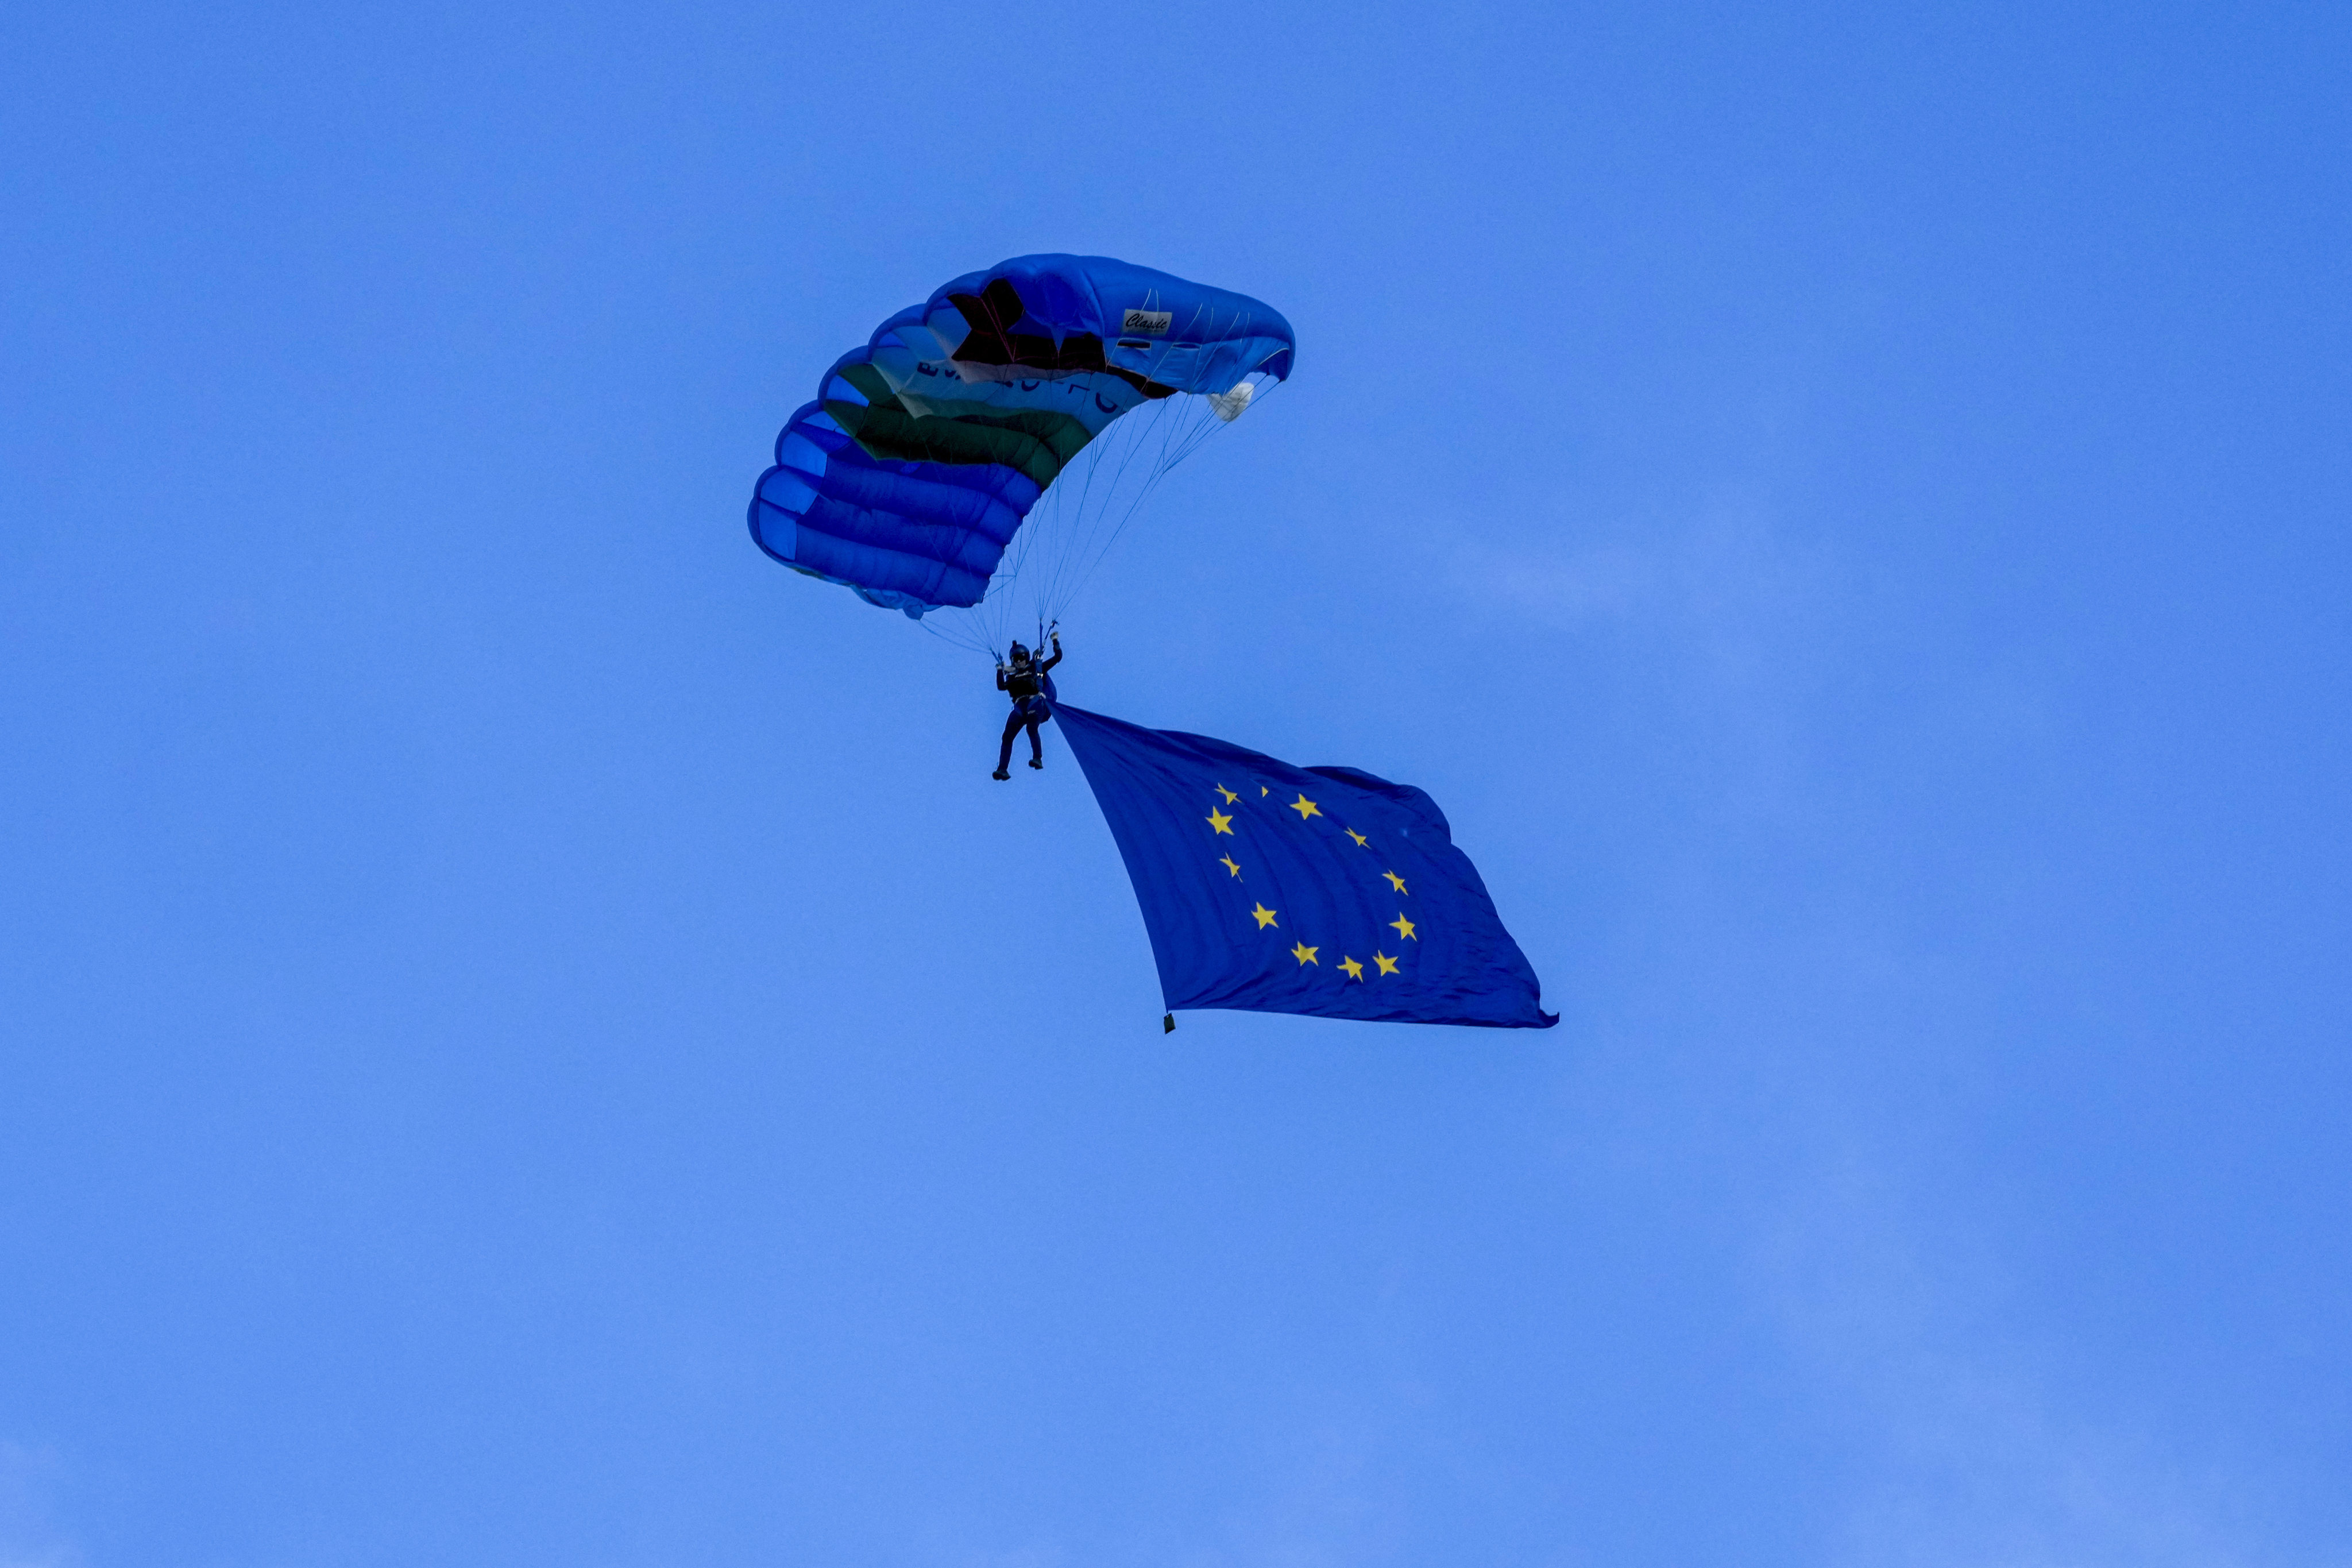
column 1020, row 654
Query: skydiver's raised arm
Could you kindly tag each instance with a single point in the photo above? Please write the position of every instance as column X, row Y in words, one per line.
column 1000, row 679
column 1052, row 661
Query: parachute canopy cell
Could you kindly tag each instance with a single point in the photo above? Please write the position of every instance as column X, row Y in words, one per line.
column 924, row 450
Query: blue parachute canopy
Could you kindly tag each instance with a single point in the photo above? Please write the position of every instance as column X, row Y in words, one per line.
column 926, row 450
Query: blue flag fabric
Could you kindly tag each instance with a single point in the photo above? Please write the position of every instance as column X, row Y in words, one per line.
column 1284, row 889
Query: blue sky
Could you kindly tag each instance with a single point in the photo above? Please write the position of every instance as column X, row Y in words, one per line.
column 527, row 1035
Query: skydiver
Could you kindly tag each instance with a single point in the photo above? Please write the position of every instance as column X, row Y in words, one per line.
column 1024, row 680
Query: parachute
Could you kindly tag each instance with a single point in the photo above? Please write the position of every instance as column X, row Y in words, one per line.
column 985, row 448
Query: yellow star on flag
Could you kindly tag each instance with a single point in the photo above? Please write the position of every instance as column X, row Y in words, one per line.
column 1260, row 789
column 1264, row 916
column 1355, row 971
column 1305, row 955
column 1359, row 838
column 1229, row 795
column 1227, row 862
column 1304, row 807
column 1404, row 928
column 1220, row 821
column 1388, row 964
column 1392, row 877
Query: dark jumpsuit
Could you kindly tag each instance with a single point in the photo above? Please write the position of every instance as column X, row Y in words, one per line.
column 1025, row 685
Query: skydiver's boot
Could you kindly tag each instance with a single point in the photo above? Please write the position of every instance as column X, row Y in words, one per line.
column 1037, row 761
column 999, row 774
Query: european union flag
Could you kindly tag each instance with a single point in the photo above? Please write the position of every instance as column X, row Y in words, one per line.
column 1284, row 889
